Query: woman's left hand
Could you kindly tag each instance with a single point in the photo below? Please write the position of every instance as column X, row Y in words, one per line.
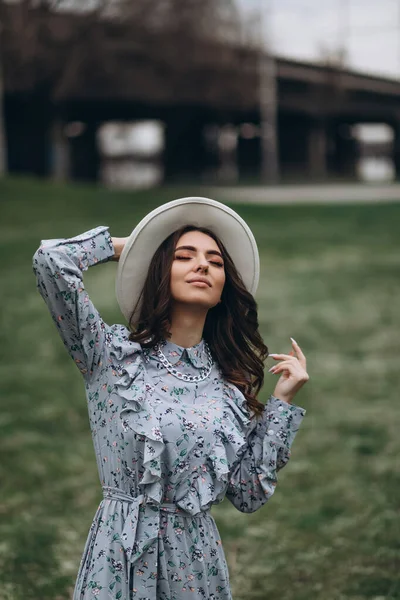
column 294, row 374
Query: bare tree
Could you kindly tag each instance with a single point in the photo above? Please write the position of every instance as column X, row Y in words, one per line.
column 53, row 45
column 336, row 58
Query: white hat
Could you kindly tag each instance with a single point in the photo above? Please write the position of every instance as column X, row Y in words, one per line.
column 149, row 234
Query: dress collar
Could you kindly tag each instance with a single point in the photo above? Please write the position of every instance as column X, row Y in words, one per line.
column 196, row 354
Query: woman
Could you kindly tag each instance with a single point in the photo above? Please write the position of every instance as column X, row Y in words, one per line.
column 172, row 399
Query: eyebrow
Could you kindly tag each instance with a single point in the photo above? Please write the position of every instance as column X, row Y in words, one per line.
column 193, row 249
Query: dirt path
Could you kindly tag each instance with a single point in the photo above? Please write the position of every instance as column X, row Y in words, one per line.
column 308, row 194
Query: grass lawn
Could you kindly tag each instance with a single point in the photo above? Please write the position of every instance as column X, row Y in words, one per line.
column 330, row 278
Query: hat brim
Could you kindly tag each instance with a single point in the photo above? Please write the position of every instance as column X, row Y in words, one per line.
column 149, row 234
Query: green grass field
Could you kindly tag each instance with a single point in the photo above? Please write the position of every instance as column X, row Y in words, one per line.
column 331, row 279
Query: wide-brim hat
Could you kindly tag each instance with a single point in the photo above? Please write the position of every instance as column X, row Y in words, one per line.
column 149, row 234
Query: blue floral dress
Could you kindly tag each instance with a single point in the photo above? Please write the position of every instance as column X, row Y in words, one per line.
column 166, row 450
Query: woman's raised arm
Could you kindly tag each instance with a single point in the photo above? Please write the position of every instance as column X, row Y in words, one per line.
column 118, row 244
column 58, row 265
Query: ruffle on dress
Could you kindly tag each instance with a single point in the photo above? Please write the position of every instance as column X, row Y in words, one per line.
column 137, row 413
column 232, row 435
column 230, row 442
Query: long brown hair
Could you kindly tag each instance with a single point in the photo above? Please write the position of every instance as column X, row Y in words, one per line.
column 230, row 329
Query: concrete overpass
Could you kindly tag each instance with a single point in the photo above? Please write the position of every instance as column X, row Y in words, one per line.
column 317, row 106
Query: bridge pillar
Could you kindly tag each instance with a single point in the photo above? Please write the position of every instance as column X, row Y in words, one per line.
column 60, row 156
column 185, row 151
column 345, row 153
column 318, row 150
column 84, row 154
column 27, row 121
column 396, row 150
column 294, row 151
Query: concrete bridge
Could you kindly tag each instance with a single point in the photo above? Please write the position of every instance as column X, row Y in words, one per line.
column 317, row 106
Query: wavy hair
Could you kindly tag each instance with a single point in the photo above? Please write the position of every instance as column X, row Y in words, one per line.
column 231, row 327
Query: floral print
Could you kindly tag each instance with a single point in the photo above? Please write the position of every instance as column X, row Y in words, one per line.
column 166, row 450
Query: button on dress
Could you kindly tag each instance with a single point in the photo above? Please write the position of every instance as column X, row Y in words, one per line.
column 166, row 449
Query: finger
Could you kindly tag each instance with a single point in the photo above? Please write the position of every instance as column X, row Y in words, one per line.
column 299, row 352
column 282, row 356
column 285, row 372
column 295, row 366
column 298, row 374
column 284, row 365
column 299, row 377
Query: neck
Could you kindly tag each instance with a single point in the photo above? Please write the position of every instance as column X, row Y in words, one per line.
column 187, row 326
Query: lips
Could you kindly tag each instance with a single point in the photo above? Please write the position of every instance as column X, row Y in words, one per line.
column 200, row 280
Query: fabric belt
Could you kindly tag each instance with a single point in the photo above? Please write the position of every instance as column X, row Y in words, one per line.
column 142, row 523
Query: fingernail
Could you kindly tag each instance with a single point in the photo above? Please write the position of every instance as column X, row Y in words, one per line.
column 271, row 369
column 271, row 354
column 293, row 340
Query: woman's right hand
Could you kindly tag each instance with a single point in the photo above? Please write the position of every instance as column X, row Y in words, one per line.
column 118, row 244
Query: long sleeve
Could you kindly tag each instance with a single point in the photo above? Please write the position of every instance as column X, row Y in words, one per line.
column 254, row 476
column 58, row 265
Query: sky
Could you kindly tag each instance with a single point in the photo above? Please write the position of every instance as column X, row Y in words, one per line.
column 305, row 29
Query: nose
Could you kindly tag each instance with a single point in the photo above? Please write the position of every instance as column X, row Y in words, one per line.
column 202, row 264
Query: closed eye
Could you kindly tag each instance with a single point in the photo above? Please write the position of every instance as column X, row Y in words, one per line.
column 217, row 263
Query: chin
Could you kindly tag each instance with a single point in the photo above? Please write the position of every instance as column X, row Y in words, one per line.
column 195, row 300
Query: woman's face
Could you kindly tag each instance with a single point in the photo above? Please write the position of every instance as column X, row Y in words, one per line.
column 197, row 257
